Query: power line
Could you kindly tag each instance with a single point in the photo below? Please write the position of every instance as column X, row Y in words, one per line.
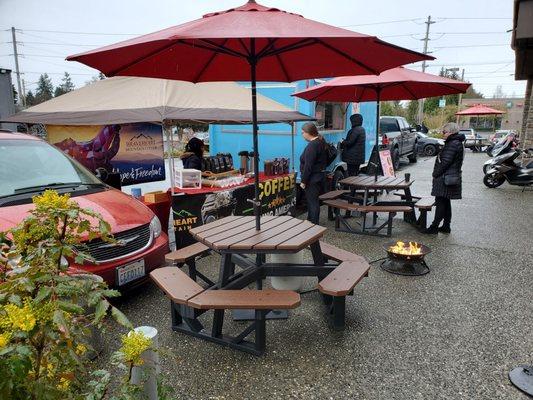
column 63, row 44
column 82, row 33
column 476, row 18
column 382, row 22
column 471, row 45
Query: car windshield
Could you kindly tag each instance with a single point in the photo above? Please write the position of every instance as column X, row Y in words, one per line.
column 27, row 164
column 422, row 135
column 387, row 125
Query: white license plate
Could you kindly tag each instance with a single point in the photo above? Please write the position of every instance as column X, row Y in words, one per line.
column 130, row 272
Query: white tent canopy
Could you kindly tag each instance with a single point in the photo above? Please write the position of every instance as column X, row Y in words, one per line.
column 121, row 100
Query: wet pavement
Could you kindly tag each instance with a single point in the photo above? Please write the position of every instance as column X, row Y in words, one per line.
column 452, row 334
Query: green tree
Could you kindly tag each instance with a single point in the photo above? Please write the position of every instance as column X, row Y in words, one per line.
column 392, row 108
column 472, row 93
column 45, row 89
column 66, row 85
column 15, row 95
column 412, row 112
column 30, row 99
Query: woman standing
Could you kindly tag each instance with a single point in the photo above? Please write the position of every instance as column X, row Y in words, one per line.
column 353, row 147
column 447, row 181
column 194, row 152
column 313, row 162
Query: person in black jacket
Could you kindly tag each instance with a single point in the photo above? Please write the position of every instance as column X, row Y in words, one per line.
column 313, row 163
column 194, row 152
column 353, row 147
column 447, row 177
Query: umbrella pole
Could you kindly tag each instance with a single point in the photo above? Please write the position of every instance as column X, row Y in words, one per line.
column 256, row 203
column 293, row 133
column 378, row 95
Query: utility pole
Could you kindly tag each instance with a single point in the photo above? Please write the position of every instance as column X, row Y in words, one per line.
column 22, row 95
column 460, row 96
column 425, row 40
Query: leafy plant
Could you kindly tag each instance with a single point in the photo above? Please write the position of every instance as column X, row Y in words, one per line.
column 47, row 310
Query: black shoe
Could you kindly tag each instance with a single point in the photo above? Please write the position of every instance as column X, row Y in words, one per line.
column 432, row 230
column 444, row 229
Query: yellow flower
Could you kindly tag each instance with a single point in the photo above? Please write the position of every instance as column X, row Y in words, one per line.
column 4, row 339
column 20, row 318
column 81, row 349
column 51, row 199
column 63, row 384
column 133, row 345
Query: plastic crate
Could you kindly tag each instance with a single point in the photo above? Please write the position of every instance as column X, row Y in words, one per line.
column 188, row 179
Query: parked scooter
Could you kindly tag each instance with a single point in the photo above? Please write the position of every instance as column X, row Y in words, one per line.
column 504, row 168
column 504, row 147
column 505, row 144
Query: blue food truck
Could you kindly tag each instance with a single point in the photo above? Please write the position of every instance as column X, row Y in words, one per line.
column 276, row 139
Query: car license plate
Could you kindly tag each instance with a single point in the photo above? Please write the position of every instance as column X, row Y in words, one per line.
column 130, row 272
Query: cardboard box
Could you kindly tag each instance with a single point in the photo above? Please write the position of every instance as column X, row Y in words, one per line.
column 155, row 197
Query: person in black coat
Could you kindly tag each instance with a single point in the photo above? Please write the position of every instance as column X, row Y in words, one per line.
column 194, row 152
column 353, row 147
column 313, row 163
column 447, row 183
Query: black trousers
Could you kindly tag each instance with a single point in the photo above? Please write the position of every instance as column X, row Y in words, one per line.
column 312, row 190
column 353, row 169
column 443, row 211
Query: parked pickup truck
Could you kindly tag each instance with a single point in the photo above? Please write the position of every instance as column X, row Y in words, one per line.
column 397, row 136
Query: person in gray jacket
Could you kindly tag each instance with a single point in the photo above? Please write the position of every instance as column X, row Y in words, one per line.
column 353, row 147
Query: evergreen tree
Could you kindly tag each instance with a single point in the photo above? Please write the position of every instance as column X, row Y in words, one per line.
column 65, row 87
column 30, row 99
column 45, row 89
column 15, row 95
column 412, row 112
column 472, row 93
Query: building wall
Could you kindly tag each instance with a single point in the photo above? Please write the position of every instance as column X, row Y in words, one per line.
column 527, row 132
column 7, row 102
column 275, row 140
column 514, row 108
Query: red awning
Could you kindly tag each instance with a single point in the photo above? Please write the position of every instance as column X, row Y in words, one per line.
column 395, row 84
column 480, row 109
column 220, row 47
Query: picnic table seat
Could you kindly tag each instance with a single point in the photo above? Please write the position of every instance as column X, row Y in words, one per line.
column 187, row 256
column 339, row 283
column 424, row 205
column 189, row 301
column 391, row 210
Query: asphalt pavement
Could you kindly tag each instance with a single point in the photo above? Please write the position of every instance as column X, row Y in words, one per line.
column 452, row 334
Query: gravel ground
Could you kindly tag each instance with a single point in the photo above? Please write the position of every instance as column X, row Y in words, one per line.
column 452, row 334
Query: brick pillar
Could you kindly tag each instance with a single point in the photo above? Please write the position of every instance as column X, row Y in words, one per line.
column 526, row 136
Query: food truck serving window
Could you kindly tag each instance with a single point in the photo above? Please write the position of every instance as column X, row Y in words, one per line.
column 330, row 116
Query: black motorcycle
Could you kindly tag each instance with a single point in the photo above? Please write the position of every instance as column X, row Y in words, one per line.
column 504, row 168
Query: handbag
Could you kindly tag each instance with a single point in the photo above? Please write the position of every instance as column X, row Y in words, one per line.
column 452, row 180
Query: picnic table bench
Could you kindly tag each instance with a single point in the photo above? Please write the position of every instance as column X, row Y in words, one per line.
column 235, row 239
column 189, row 300
column 187, row 256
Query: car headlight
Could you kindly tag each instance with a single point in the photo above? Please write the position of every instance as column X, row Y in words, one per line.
column 155, row 227
column 440, row 142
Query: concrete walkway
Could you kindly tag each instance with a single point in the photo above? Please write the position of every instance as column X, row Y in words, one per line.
column 452, row 334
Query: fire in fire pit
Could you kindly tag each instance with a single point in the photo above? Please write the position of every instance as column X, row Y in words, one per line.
column 406, row 258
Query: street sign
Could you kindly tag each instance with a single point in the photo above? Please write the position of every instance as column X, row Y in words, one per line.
column 442, row 103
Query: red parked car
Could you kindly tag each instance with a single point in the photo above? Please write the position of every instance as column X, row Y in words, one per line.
column 29, row 165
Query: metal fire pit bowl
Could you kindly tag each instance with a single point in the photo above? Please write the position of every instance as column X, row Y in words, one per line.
column 403, row 264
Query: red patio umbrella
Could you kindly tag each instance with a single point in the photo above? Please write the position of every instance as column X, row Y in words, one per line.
column 251, row 42
column 395, row 84
column 480, row 109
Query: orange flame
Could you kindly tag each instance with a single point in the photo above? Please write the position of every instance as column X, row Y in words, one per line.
column 408, row 249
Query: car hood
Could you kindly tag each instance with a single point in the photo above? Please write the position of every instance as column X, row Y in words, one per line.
column 120, row 210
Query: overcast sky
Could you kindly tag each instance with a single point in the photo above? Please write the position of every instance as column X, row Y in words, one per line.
column 468, row 34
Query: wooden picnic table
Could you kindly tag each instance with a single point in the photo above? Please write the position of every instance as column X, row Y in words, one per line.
column 370, row 183
column 234, row 237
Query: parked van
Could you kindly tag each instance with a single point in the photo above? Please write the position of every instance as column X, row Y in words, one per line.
column 29, row 165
